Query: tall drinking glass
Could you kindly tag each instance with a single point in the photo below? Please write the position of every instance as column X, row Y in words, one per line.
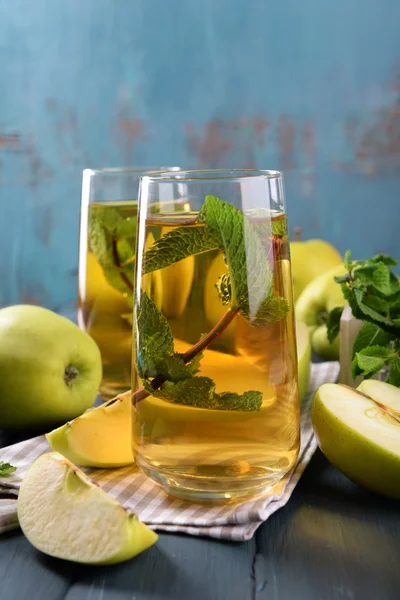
column 106, row 268
column 214, row 383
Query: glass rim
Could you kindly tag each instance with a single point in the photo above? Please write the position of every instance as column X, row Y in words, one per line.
column 129, row 170
column 211, row 175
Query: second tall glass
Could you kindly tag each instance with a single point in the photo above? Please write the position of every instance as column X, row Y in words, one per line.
column 106, row 268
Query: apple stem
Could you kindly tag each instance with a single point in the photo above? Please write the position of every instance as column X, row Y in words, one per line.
column 70, row 374
column 297, row 233
column 201, row 345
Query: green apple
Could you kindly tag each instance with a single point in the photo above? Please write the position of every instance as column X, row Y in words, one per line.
column 101, row 437
column 361, row 435
column 312, row 308
column 309, row 260
column 50, row 370
column 303, row 357
column 64, row 514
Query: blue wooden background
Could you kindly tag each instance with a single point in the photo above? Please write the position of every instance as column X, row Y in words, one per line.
column 311, row 87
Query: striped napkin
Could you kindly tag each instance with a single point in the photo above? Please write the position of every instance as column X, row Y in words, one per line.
column 139, row 494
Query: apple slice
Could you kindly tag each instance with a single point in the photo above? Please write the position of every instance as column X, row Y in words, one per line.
column 360, row 436
column 101, row 437
column 303, row 357
column 64, row 514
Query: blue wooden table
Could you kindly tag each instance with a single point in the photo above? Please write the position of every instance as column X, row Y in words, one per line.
column 333, row 541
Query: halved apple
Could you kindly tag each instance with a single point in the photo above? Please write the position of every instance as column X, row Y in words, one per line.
column 360, row 434
column 64, row 514
column 100, row 437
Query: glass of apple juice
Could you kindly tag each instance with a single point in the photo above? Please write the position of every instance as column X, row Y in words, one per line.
column 214, row 379
column 106, row 268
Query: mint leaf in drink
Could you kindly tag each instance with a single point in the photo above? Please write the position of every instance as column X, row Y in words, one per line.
column 224, row 288
column 174, row 369
column 272, row 310
column 6, row 468
column 155, row 341
column 333, row 323
column 177, row 245
column 250, row 272
column 370, row 334
column 200, row 393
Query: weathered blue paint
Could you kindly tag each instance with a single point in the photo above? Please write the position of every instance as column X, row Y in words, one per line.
column 312, row 88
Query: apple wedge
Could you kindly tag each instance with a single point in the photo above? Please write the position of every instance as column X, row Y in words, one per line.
column 64, row 514
column 360, row 435
column 101, row 437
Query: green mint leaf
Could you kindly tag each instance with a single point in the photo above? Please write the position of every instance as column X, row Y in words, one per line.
column 385, row 259
column 272, row 310
column 377, row 303
column 381, row 279
column 364, row 310
column 197, row 391
column 173, row 368
column 250, row 272
column 200, row 392
column 279, row 227
column 370, row 334
column 394, row 372
column 248, row 401
column 177, row 245
column 154, row 338
column 373, row 359
column 347, row 260
column 6, row 468
column 333, row 323
column 341, row 278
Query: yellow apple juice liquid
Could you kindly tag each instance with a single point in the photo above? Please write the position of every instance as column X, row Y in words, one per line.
column 207, row 450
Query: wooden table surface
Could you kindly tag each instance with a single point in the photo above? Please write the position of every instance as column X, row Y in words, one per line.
column 333, row 541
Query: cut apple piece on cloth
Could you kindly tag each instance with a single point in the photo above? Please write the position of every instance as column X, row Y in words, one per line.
column 101, row 437
column 64, row 514
column 359, row 434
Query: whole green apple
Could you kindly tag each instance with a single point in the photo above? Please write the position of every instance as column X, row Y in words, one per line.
column 310, row 259
column 50, row 370
column 313, row 306
column 360, row 434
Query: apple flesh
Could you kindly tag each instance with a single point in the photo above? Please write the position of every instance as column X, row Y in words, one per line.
column 50, row 370
column 361, row 435
column 101, row 437
column 64, row 514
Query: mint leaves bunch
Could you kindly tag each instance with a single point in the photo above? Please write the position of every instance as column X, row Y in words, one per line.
column 246, row 288
column 373, row 293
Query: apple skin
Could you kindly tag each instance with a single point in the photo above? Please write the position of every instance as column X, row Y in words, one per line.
column 65, row 515
column 304, row 357
column 310, row 259
column 355, row 455
column 314, row 303
column 36, row 348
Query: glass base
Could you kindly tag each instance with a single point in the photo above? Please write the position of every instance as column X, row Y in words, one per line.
column 207, row 488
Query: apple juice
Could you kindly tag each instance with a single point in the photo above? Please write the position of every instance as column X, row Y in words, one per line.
column 208, row 450
column 106, row 268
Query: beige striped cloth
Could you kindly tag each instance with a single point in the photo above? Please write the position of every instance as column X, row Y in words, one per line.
column 161, row 512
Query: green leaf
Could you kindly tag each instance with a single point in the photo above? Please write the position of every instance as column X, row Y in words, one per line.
column 6, row 468
column 250, row 272
column 224, row 288
column 196, row 391
column 377, row 303
column 200, row 392
column 347, row 260
column 373, row 359
column 272, row 310
column 385, row 259
column 333, row 323
column 370, row 334
column 177, row 245
column 394, row 372
column 381, row 279
column 154, row 338
column 173, row 368
column 279, row 227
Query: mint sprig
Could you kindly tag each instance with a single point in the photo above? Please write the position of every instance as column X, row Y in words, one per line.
column 247, row 287
column 373, row 293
